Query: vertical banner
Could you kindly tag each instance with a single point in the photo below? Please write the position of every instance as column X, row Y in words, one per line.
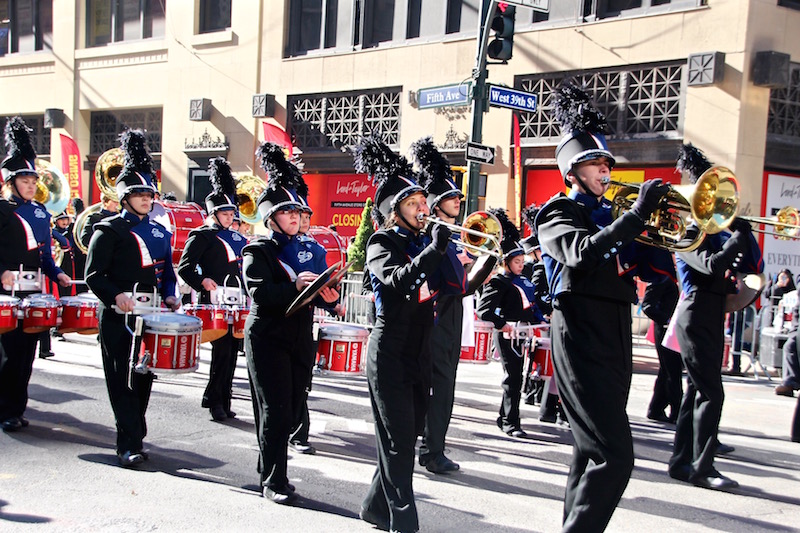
column 276, row 134
column 71, row 167
column 781, row 190
column 517, row 170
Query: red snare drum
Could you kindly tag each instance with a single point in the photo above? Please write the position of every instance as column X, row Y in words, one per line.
column 483, row 344
column 329, row 240
column 341, row 347
column 214, row 319
column 8, row 313
column 543, row 357
column 239, row 318
column 79, row 315
column 39, row 313
column 180, row 218
column 172, row 342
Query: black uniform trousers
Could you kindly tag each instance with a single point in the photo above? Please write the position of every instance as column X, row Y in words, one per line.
column 399, row 386
column 512, row 360
column 667, row 390
column 302, row 420
column 593, row 362
column 279, row 370
column 223, row 365
column 129, row 405
column 445, row 354
column 701, row 334
column 17, row 352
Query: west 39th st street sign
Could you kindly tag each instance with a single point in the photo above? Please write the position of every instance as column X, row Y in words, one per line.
column 511, row 99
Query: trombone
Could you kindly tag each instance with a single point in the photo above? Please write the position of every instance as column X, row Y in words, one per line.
column 480, row 233
column 785, row 222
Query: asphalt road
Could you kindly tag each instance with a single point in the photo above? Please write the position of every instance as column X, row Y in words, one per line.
column 60, row 473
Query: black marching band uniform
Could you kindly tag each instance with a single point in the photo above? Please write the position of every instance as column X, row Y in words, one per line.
column 278, row 348
column 591, row 320
column 128, row 250
column 67, row 243
column 534, row 266
column 93, row 219
column 659, row 302
column 436, row 177
column 214, row 252
column 705, row 276
column 406, row 272
column 25, row 241
column 509, row 297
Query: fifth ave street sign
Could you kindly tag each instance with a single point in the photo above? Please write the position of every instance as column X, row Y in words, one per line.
column 479, row 153
column 511, row 98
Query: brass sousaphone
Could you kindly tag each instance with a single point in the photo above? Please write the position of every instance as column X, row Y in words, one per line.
column 106, row 171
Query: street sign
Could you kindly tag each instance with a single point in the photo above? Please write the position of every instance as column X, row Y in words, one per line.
column 511, row 99
column 536, row 5
column 446, row 95
column 479, row 153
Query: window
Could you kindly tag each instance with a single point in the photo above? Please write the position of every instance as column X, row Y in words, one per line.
column 784, row 108
column 26, row 26
column 40, row 137
column 321, row 24
column 107, row 125
column 600, row 9
column 215, row 15
column 462, row 16
column 792, row 4
column 114, row 21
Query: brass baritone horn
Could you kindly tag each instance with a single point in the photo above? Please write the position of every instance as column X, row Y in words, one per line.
column 480, row 233
column 248, row 189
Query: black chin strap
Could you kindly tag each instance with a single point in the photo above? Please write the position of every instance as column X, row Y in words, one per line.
column 128, row 207
column 585, row 188
column 410, row 226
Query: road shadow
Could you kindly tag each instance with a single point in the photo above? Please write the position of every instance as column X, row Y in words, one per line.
column 21, row 518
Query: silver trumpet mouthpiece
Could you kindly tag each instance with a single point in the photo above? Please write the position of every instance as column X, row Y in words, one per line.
column 605, row 180
column 421, row 217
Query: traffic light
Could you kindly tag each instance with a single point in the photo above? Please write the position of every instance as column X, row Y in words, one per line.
column 503, row 26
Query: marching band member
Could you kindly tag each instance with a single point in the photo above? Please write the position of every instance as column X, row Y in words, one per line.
column 78, row 256
column 129, row 250
column 25, row 244
column 444, row 201
column 706, row 279
column 61, row 230
column 110, row 207
column 405, row 267
column 212, row 254
column 278, row 348
column 509, row 297
column 590, row 329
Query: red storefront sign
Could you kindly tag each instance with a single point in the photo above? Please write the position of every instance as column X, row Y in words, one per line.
column 338, row 199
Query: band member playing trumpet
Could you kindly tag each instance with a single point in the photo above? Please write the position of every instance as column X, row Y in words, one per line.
column 25, row 244
column 211, row 258
column 406, row 270
column 590, row 328
column 706, row 279
column 278, row 348
column 129, row 250
column 509, row 297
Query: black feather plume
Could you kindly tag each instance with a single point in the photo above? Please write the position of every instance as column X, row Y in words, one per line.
column 373, row 157
column 137, row 158
column 280, row 172
column 692, row 161
column 510, row 231
column 529, row 216
column 18, row 139
column 222, row 181
column 433, row 166
column 574, row 111
column 77, row 205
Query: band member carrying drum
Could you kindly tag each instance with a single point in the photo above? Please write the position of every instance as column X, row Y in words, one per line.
column 211, row 260
column 129, row 251
column 25, row 244
column 509, row 297
column 406, row 269
column 278, row 348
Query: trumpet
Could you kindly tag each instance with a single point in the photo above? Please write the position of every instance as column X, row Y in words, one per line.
column 785, row 222
column 712, row 203
column 480, row 233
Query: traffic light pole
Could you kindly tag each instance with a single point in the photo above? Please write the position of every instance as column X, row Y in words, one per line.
column 479, row 99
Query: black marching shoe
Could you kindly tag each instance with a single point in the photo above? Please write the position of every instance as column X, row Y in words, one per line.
column 229, row 413
column 46, row 355
column 681, row 473
column 11, row 424
column 218, row 413
column 715, row 481
column 283, row 495
column 129, row 459
column 440, row 464
column 723, row 449
column 24, row 421
column 302, row 447
column 516, row 432
column 659, row 416
column 371, row 518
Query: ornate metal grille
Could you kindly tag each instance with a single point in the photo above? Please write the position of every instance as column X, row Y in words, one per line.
column 107, row 125
column 40, row 137
column 638, row 103
column 784, row 107
column 335, row 120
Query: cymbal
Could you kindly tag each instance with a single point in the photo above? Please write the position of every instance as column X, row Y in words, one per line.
column 312, row 289
column 749, row 289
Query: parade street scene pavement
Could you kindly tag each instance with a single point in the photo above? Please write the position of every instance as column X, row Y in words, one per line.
column 61, row 473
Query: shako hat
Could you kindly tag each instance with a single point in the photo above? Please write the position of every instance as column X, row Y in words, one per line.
column 283, row 180
column 390, row 172
column 21, row 154
column 62, row 215
column 692, row 161
column 435, row 174
column 223, row 187
column 583, row 127
column 509, row 244
column 137, row 170
column 531, row 242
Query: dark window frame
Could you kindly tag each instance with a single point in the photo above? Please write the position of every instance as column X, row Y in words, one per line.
column 207, row 23
column 39, row 25
column 148, row 11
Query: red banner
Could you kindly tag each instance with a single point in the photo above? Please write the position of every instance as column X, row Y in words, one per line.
column 276, row 134
column 517, row 170
column 71, row 167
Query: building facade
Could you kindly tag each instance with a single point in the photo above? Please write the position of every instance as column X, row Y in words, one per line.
column 203, row 77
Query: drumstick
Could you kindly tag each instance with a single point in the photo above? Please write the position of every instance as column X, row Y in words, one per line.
column 142, row 308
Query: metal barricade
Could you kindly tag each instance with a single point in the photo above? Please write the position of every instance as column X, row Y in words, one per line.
column 745, row 327
column 358, row 307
